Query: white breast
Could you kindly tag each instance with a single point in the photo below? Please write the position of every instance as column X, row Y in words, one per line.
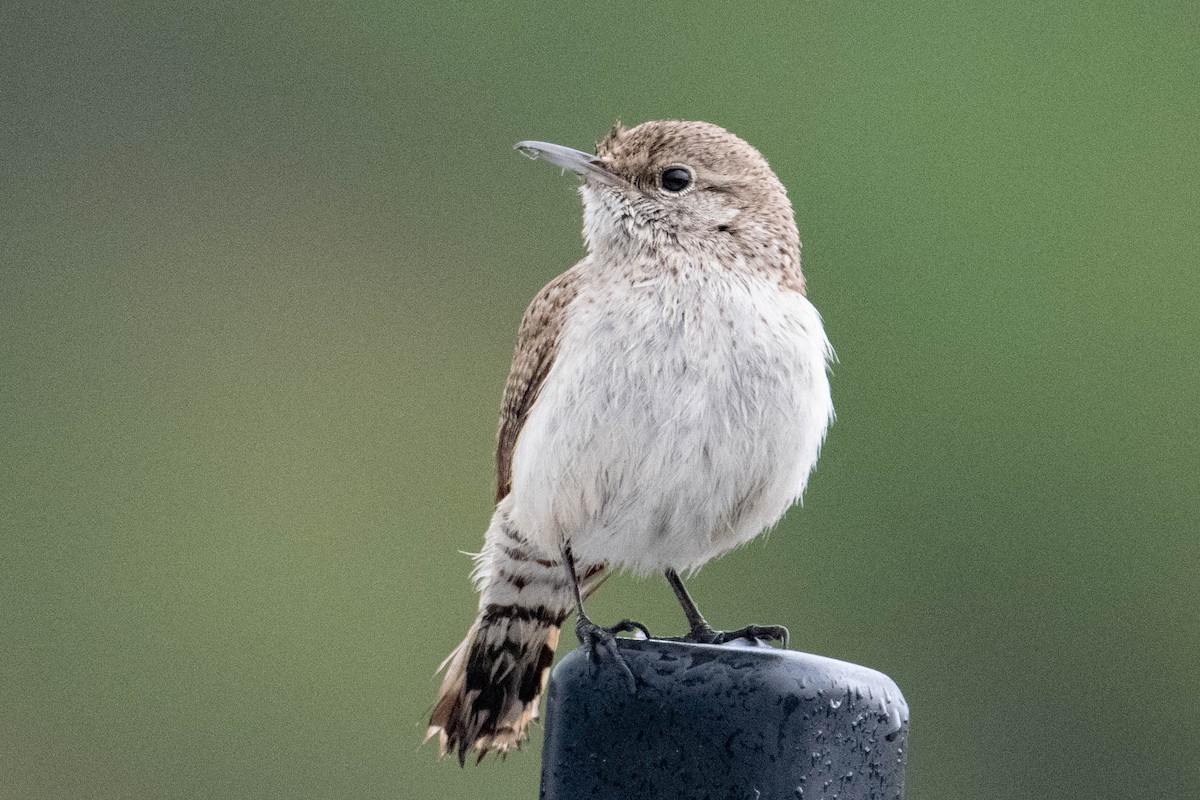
column 682, row 417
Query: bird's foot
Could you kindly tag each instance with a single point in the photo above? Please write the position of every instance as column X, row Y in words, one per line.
column 704, row 634
column 596, row 638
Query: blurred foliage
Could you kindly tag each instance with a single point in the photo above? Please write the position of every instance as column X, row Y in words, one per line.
column 262, row 267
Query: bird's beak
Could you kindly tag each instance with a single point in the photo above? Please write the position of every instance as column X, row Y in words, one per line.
column 582, row 164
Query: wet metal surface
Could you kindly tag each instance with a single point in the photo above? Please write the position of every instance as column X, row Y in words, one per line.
column 722, row 721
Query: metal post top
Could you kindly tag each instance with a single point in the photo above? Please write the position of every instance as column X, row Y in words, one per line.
column 722, row 721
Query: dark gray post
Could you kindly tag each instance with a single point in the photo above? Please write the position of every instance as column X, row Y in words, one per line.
column 740, row 720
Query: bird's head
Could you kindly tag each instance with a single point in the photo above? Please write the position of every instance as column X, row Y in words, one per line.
column 681, row 190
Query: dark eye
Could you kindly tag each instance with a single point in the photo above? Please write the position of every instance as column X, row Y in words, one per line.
column 676, row 179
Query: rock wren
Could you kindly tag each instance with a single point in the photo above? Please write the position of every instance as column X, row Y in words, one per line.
column 667, row 400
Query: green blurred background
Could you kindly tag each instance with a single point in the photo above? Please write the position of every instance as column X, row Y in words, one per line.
column 262, row 268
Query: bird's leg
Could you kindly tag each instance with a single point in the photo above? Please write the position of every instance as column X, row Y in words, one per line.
column 596, row 637
column 703, row 633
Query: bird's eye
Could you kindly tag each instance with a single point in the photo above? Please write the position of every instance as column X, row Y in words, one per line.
column 676, row 179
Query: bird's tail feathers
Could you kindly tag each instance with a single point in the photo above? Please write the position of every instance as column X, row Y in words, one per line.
column 495, row 677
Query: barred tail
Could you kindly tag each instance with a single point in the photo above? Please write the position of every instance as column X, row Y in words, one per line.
column 495, row 677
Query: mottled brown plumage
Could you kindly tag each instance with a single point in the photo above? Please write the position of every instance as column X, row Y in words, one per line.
column 537, row 340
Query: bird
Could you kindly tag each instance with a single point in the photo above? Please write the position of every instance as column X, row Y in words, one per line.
column 668, row 399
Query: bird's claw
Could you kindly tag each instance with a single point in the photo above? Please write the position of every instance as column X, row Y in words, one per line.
column 629, row 626
column 704, row 634
column 596, row 638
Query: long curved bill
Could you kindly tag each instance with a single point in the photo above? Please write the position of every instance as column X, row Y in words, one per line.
column 585, row 165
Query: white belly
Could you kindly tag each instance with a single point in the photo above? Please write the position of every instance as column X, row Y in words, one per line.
column 675, row 423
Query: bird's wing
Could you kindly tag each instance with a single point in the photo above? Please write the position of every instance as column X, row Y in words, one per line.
column 537, row 344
